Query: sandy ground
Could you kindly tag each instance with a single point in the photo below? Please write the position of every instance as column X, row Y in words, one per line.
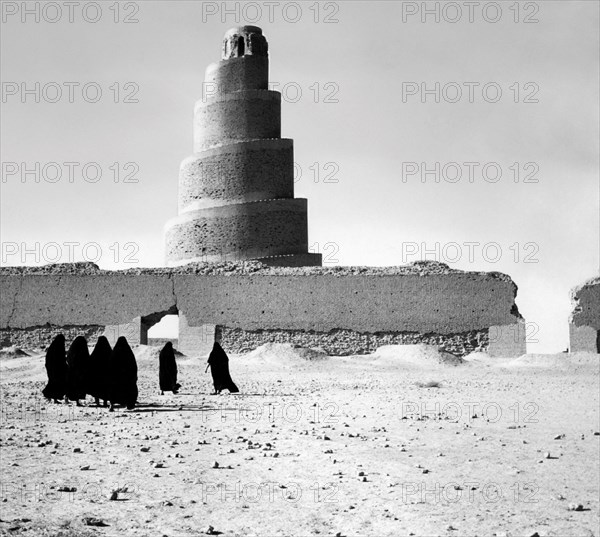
column 404, row 442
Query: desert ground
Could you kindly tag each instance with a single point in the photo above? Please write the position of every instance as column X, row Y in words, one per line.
column 406, row 441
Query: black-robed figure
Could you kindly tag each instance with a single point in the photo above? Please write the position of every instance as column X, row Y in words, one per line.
column 56, row 368
column 219, row 369
column 167, row 370
column 98, row 372
column 78, row 358
column 123, row 376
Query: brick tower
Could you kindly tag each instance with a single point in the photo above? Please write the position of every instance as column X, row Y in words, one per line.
column 236, row 192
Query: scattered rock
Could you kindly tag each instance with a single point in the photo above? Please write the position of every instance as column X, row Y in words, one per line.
column 93, row 521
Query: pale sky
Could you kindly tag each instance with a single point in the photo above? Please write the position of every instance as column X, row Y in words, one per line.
column 368, row 58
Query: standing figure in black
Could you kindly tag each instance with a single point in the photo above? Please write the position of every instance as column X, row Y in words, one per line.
column 123, row 376
column 78, row 359
column 219, row 369
column 98, row 373
column 167, row 370
column 56, row 368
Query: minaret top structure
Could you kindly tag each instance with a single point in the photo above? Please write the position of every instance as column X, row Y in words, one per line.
column 244, row 63
column 244, row 41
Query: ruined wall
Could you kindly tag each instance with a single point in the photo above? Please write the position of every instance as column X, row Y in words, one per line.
column 39, row 338
column 97, row 298
column 348, row 342
column 584, row 324
column 352, row 308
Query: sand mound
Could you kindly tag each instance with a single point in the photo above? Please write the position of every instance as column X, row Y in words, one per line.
column 562, row 360
column 12, row 352
column 478, row 357
column 144, row 353
column 150, row 352
column 415, row 355
column 23, row 366
column 485, row 360
column 285, row 354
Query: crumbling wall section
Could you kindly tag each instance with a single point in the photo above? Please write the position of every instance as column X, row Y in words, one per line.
column 80, row 294
column 348, row 342
column 343, row 309
column 39, row 337
column 584, row 324
column 363, row 302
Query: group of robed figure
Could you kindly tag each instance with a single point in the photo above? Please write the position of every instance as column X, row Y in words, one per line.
column 111, row 374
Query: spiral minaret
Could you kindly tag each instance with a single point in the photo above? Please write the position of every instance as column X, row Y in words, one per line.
column 236, row 192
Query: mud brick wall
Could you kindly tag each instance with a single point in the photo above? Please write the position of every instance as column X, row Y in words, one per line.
column 343, row 309
column 584, row 325
column 348, row 342
column 38, row 338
